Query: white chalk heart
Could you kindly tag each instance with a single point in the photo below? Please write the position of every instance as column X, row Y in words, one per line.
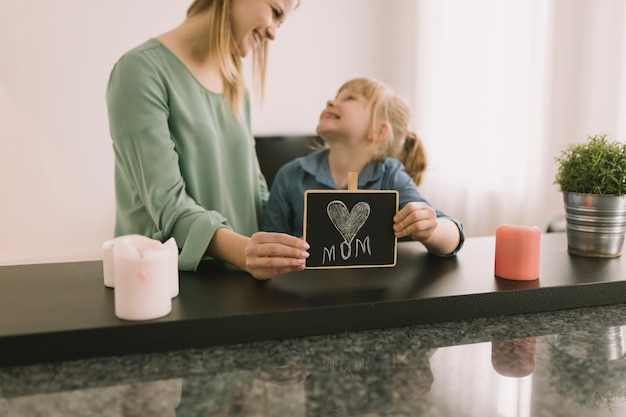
column 348, row 222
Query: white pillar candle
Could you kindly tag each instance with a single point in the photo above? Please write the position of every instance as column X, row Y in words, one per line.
column 143, row 279
column 108, row 249
column 107, row 263
column 172, row 248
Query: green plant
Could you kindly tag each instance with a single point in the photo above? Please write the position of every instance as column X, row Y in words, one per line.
column 597, row 166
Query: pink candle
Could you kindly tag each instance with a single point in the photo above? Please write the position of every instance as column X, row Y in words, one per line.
column 517, row 252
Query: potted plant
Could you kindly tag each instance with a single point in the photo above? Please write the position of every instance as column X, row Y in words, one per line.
column 592, row 177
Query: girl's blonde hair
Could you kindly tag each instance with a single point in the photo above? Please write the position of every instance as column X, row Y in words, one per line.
column 388, row 107
column 227, row 55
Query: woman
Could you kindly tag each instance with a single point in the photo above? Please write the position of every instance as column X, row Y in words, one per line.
column 185, row 162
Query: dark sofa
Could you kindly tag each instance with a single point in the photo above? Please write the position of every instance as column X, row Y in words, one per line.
column 275, row 151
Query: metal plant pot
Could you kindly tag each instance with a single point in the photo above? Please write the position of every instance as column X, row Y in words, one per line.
column 602, row 344
column 596, row 224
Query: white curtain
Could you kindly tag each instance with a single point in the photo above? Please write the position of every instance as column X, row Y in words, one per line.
column 501, row 87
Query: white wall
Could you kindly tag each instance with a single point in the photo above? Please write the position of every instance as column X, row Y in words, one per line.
column 322, row 45
column 56, row 161
column 55, row 152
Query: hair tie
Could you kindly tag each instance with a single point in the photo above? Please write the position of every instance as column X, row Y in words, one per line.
column 409, row 142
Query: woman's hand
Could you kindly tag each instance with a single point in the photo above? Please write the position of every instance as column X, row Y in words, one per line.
column 263, row 255
column 269, row 254
column 417, row 220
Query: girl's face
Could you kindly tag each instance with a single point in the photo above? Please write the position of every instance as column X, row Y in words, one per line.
column 255, row 21
column 347, row 116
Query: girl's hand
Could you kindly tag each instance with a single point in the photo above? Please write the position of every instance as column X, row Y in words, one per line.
column 269, row 254
column 417, row 220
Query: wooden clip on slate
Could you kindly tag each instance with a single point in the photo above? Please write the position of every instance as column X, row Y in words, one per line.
column 350, row 228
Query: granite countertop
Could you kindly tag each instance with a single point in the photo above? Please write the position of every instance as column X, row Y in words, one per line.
column 560, row 363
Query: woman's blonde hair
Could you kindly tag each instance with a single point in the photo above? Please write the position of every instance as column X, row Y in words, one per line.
column 388, row 107
column 227, row 54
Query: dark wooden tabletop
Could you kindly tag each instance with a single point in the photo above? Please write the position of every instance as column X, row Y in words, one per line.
column 62, row 311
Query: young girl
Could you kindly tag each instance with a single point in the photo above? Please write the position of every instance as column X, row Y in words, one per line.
column 365, row 130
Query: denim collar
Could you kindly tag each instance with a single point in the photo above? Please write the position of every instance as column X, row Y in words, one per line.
column 316, row 164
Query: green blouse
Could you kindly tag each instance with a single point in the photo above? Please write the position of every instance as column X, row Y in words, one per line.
column 184, row 164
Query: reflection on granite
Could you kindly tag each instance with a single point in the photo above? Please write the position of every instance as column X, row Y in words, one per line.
column 600, row 353
column 565, row 363
column 514, row 357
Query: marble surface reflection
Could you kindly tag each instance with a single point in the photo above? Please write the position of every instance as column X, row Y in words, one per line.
column 569, row 363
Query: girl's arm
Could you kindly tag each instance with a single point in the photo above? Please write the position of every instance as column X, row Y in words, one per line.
column 419, row 221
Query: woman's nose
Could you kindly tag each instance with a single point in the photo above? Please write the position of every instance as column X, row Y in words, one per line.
column 270, row 33
column 330, row 103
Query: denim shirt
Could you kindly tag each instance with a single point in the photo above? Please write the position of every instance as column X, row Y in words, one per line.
column 285, row 208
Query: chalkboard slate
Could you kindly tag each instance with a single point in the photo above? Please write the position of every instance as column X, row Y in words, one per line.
column 348, row 229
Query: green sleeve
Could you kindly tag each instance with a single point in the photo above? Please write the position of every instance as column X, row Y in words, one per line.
column 147, row 167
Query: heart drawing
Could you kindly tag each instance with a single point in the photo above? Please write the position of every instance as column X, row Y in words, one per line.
column 348, row 222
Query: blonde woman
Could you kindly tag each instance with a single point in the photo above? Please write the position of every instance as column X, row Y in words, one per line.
column 185, row 162
column 365, row 129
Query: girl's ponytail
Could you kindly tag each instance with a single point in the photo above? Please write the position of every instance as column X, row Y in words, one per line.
column 413, row 157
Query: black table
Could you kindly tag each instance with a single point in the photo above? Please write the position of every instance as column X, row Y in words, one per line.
column 62, row 311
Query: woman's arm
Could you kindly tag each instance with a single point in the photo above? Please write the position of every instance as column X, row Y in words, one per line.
column 151, row 196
